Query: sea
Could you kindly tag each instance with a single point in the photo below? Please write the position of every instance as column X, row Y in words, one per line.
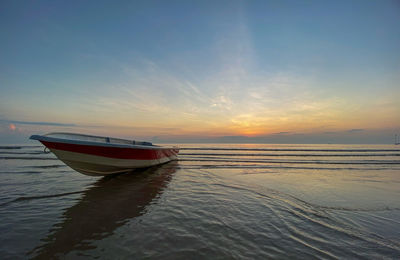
column 218, row 201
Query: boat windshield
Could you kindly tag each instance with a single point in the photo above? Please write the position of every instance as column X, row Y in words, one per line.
column 97, row 139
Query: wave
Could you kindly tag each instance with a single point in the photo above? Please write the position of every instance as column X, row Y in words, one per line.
column 27, row 158
column 31, row 172
column 41, row 197
column 289, row 199
column 291, row 162
column 21, row 172
column 258, row 166
column 292, row 155
column 47, row 166
column 289, row 150
column 20, row 147
column 38, row 152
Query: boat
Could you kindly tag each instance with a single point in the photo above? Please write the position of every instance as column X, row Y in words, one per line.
column 98, row 156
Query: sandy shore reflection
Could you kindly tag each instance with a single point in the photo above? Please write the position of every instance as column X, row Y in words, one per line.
column 109, row 204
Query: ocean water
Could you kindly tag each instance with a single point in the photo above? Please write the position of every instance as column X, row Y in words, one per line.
column 218, row 201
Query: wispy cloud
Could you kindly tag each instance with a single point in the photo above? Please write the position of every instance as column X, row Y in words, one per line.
column 282, row 133
column 356, row 130
column 36, row 123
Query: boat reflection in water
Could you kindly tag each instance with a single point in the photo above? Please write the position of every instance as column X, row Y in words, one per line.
column 111, row 203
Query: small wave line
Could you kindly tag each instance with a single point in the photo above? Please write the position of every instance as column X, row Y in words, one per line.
column 288, row 150
column 41, row 197
column 292, row 154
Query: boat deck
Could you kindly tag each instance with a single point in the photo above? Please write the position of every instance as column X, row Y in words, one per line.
column 92, row 140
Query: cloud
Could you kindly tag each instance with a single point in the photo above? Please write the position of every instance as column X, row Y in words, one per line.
column 281, row 133
column 13, row 122
column 355, row 130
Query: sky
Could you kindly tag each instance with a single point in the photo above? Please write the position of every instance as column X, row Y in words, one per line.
column 202, row 71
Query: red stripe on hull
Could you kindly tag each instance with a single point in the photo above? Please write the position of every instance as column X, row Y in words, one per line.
column 113, row 152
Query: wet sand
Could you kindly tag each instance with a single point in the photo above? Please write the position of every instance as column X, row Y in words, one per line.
column 217, row 201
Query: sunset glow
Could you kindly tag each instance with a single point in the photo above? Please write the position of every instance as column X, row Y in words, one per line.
column 12, row 127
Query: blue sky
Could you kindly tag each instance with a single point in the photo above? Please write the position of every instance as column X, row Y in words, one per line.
column 201, row 70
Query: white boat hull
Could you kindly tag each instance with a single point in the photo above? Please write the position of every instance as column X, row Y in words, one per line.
column 98, row 165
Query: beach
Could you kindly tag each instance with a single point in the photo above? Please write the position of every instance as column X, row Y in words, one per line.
column 218, row 201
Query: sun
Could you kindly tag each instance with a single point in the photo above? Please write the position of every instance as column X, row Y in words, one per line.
column 12, row 127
